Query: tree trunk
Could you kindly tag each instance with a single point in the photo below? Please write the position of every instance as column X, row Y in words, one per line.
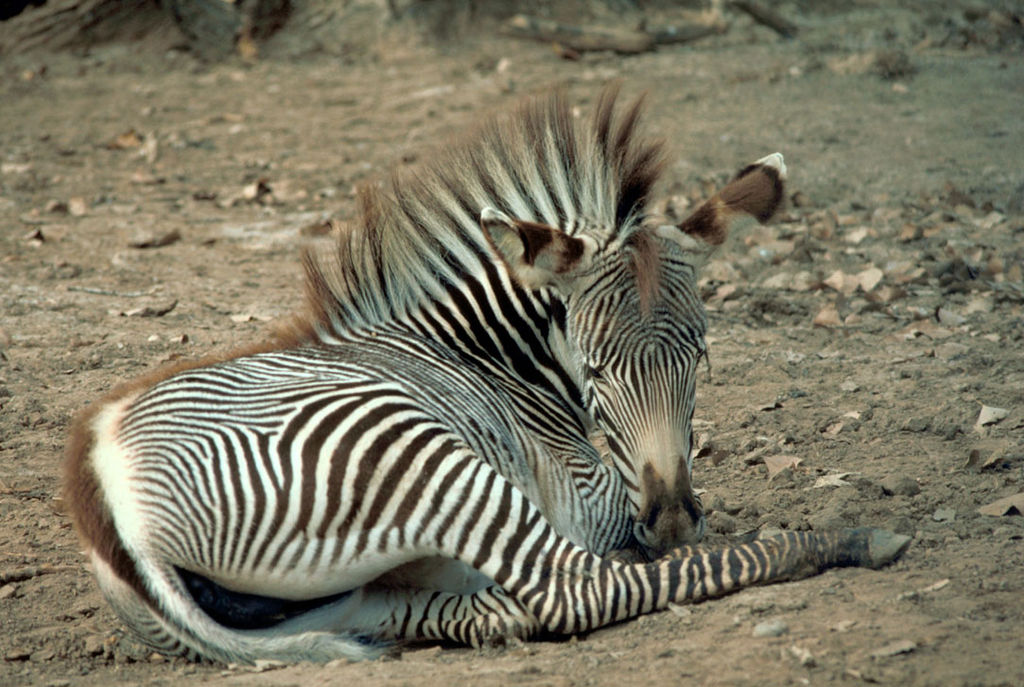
column 61, row 23
column 213, row 28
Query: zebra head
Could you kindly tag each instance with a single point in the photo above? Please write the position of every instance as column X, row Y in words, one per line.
column 635, row 326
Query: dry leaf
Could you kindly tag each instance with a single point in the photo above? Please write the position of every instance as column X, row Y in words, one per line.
column 833, row 480
column 869, row 278
column 252, row 191
column 859, row 63
column 680, row 610
column 990, row 415
column 146, row 179
column 15, row 167
column 1011, row 505
column 979, row 304
column 900, row 646
column 124, row 141
column 833, row 429
column 827, row 317
column 928, row 329
column 250, row 317
column 842, row 282
column 777, row 464
column 725, row 292
column 990, row 220
column 949, row 317
column 721, row 271
column 149, row 150
column 856, row 236
column 936, row 586
column 778, row 282
column 153, row 310
column 77, row 206
column 803, row 655
column 35, row 236
column 987, row 454
column 843, row 625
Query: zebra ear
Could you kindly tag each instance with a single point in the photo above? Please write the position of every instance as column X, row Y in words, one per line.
column 536, row 254
column 756, row 190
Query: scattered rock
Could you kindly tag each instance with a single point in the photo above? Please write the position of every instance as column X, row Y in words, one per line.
column 721, row 522
column 17, row 654
column 94, row 645
column 803, row 655
column 42, row 655
column 157, row 240
column 681, row 611
column 900, row 485
column 893, row 64
column 917, row 424
column 77, row 206
column 770, row 628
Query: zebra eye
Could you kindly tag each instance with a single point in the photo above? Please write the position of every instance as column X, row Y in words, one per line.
column 596, row 372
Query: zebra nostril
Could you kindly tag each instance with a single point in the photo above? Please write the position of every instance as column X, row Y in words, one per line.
column 652, row 516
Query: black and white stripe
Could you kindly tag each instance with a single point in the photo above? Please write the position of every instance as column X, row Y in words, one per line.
column 416, row 462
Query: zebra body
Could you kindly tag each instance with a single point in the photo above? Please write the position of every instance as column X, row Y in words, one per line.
column 413, row 459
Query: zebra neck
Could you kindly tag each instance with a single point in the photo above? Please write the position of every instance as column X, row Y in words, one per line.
column 514, row 337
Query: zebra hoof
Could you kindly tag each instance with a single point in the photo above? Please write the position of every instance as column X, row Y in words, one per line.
column 499, row 631
column 883, row 547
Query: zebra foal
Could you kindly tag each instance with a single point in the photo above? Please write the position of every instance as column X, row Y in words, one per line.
column 411, row 459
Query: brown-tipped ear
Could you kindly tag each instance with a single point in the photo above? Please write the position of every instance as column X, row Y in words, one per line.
column 756, row 190
column 536, row 254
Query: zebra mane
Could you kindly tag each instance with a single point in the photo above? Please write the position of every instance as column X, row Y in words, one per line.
column 419, row 235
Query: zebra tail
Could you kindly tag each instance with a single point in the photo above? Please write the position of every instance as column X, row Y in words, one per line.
column 176, row 625
column 147, row 592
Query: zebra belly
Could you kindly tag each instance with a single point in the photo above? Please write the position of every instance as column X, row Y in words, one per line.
column 243, row 611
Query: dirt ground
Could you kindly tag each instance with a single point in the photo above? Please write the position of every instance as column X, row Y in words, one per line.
column 867, row 349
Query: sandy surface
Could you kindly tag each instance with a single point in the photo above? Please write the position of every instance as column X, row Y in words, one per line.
column 854, row 342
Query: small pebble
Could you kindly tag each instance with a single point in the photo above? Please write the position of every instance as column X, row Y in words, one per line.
column 900, row 485
column 770, row 628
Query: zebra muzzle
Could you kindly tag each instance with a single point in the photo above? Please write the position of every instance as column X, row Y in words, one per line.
column 671, row 516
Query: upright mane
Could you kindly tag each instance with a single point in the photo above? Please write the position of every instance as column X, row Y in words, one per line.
column 419, row 235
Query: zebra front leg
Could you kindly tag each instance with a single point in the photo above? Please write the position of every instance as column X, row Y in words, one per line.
column 608, row 592
column 491, row 526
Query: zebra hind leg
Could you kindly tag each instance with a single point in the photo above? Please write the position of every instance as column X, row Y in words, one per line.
column 487, row 617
